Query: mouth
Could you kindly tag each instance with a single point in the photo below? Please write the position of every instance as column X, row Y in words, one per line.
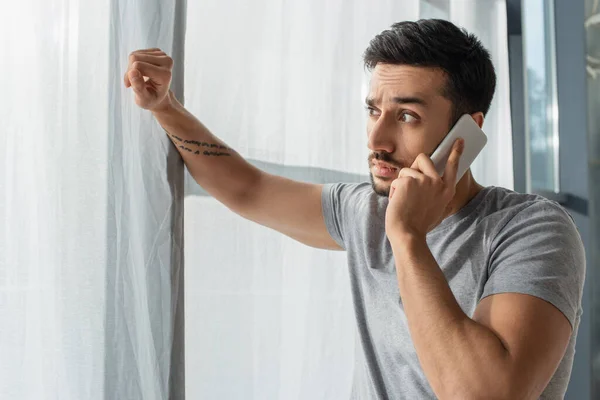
column 384, row 171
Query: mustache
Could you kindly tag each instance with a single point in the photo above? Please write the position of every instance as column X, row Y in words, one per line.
column 387, row 158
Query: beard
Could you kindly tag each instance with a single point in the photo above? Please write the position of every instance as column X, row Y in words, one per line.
column 381, row 186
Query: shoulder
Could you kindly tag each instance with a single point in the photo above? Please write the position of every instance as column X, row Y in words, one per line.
column 533, row 227
column 499, row 199
column 503, row 208
column 513, row 209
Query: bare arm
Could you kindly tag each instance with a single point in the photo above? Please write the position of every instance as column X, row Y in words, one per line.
column 290, row 207
column 509, row 349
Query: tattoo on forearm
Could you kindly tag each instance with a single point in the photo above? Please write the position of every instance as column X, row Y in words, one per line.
column 215, row 148
column 204, row 144
column 206, row 152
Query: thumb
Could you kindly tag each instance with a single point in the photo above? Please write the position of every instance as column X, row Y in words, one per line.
column 137, row 82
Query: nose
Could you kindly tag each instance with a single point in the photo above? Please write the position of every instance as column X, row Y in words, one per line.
column 380, row 136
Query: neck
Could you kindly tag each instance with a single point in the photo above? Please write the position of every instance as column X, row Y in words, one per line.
column 466, row 189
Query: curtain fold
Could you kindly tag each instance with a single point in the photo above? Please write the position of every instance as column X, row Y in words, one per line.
column 145, row 185
column 91, row 205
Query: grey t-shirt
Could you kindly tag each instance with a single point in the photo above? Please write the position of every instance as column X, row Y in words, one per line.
column 501, row 241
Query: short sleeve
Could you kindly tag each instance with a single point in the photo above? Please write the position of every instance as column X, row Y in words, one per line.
column 337, row 202
column 540, row 253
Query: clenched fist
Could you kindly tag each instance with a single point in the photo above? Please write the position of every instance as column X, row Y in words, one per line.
column 149, row 75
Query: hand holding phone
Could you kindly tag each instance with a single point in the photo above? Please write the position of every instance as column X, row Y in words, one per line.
column 475, row 140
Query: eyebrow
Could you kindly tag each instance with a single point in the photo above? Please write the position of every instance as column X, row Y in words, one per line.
column 399, row 100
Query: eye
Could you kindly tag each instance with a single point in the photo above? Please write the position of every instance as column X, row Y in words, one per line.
column 408, row 118
column 372, row 112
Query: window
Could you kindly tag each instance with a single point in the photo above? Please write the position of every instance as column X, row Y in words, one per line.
column 540, row 96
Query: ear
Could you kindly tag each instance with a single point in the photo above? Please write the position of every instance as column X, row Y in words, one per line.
column 478, row 117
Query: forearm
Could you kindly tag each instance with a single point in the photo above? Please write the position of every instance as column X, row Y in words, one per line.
column 219, row 169
column 461, row 358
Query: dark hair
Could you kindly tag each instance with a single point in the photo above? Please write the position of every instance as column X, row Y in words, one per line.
column 470, row 75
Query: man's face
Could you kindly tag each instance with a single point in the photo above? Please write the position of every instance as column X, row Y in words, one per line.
column 408, row 115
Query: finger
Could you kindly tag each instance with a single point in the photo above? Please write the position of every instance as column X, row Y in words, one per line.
column 425, row 165
column 127, row 78
column 159, row 59
column 452, row 164
column 153, row 53
column 152, row 56
column 392, row 189
column 405, row 173
column 411, row 173
column 152, row 50
column 401, row 183
column 137, row 82
column 156, row 73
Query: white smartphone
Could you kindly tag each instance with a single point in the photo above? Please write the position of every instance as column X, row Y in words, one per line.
column 475, row 140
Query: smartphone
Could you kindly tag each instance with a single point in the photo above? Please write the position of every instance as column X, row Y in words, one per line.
column 475, row 140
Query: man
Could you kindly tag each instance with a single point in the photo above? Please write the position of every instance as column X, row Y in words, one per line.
column 460, row 291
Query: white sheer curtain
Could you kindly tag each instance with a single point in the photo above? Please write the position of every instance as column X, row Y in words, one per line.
column 90, row 207
column 283, row 83
column 53, row 199
column 90, row 195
